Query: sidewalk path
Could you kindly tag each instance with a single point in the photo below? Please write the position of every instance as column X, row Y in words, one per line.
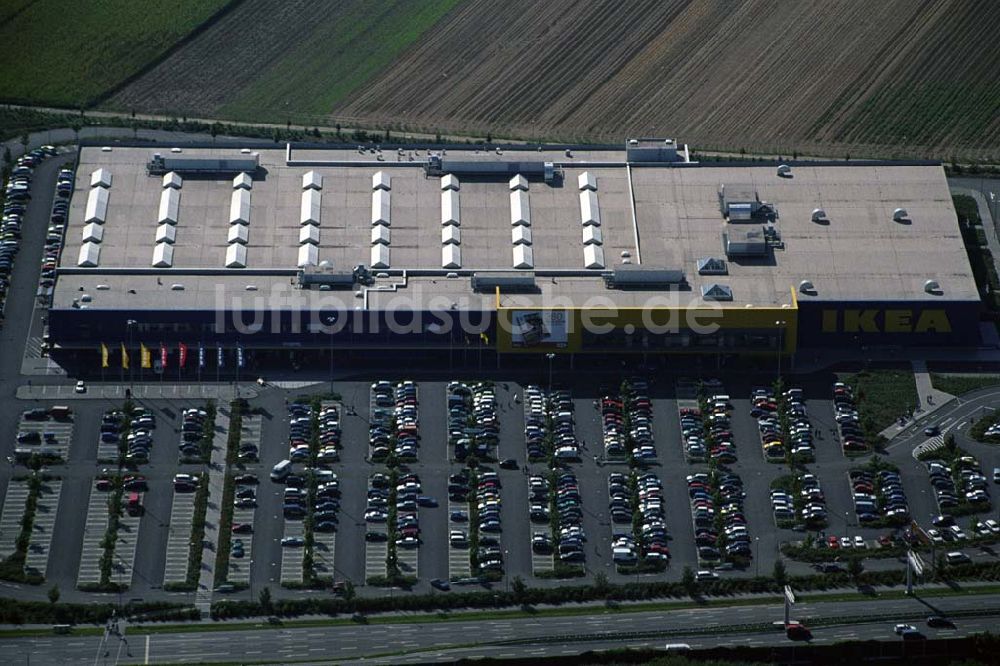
column 931, row 400
column 157, row 391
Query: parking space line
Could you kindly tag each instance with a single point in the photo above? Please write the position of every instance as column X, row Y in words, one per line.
column 291, row 558
column 375, row 556
column 60, row 435
column 37, row 558
column 10, row 517
column 459, row 564
column 179, row 538
column 123, row 563
column 93, row 533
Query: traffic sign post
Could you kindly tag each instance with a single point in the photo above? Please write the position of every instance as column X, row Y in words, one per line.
column 789, row 601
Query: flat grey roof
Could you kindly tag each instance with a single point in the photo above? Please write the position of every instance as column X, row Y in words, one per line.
column 861, row 254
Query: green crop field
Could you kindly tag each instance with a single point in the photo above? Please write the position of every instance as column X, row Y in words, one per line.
column 334, row 61
column 68, row 53
column 278, row 61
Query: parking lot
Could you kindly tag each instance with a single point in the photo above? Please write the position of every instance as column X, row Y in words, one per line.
column 588, row 491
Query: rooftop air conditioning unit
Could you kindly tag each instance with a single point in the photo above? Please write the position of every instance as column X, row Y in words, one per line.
column 784, row 171
column 806, row 287
column 818, row 215
column 932, row 287
column 899, row 215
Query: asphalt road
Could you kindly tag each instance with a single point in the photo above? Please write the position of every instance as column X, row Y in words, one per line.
column 544, row 635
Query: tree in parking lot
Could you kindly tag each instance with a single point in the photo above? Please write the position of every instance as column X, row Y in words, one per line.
column 349, row 591
column 518, row 588
column 53, row 594
column 780, row 574
column 265, row 599
column 688, row 581
column 854, row 568
column 601, row 583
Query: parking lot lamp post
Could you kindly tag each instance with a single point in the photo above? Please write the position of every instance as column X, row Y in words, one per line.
column 781, row 334
column 130, row 325
column 756, row 556
column 550, row 356
column 506, row 578
column 329, row 321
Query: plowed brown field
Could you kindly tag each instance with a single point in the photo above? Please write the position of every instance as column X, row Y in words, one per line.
column 757, row 74
column 914, row 77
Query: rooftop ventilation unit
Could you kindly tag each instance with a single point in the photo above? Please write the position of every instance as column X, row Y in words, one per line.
column 239, row 207
column 242, row 181
column 381, row 181
column 90, row 255
column 520, row 235
column 587, row 181
column 163, row 255
column 380, row 234
column 507, row 283
column 493, row 170
column 451, row 212
column 742, row 242
column 717, row 292
column 712, row 266
column 334, row 280
column 170, row 202
column 590, row 209
column 309, row 233
column 818, row 215
column 933, row 287
column 93, row 233
column 523, row 257
column 451, row 235
column 97, row 205
column 238, row 233
column 900, row 215
column 166, row 233
column 380, row 256
column 807, row 287
column 312, row 180
column 236, row 256
column 308, row 254
column 451, row 256
column 643, row 277
column 520, row 208
column 312, row 203
column 592, row 235
column 100, row 178
column 449, row 182
column 593, row 256
column 161, row 164
column 173, row 180
column 381, row 207
column 784, row 171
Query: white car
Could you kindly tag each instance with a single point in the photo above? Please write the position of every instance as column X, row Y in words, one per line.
column 899, row 629
column 80, row 387
column 859, row 542
column 845, row 542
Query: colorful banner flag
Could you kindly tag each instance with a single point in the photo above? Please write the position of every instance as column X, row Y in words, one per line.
column 182, row 354
column 145, row 357
column 163, row 356
column 104, row 355
column 239, row 356
column 201, row 355
column 219, row 348
column 124, row 357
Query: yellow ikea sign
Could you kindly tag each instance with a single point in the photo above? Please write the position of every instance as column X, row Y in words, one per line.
column 885, row 321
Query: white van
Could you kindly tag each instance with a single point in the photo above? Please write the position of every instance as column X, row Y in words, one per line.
column 281, row 471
